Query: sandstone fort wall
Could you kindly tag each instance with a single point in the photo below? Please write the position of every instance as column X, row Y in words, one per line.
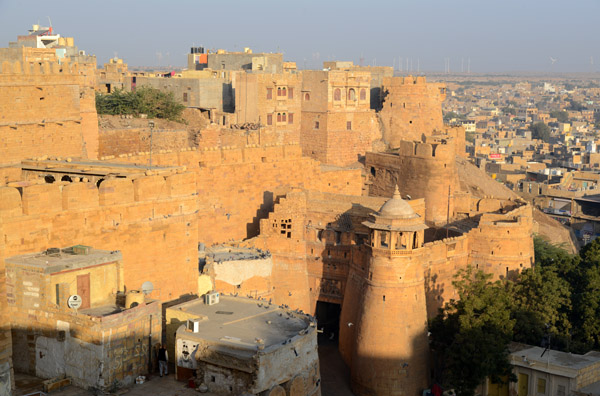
column 412, row 108
column 135, row 140
column 421, row 170
column 238, row 186
column 41, row 111
column 150, row 219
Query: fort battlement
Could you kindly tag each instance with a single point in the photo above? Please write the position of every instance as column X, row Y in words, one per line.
column 33, row 69
column 31, row 198
column 441, row 151
column 214, row 156
column 406, row 80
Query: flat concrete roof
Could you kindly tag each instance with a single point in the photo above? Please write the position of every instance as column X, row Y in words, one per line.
column 554, row 359
column 238, row 322
column 59, row 260
column 91, row 167
column 222, row 253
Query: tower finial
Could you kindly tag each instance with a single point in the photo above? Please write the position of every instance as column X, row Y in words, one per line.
column 397, row 193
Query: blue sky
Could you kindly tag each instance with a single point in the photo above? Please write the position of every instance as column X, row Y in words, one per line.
column 497, row 36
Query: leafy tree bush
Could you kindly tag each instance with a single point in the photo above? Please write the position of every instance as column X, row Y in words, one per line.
column 144, row 100
column 555, row 304
column 471, row 335
column 561, row 116
column 541, row 131
column 509, row 110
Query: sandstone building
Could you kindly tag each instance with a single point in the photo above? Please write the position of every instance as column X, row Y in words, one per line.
column 338, row 125
column 98, row 343
column 323, row 239
column 256, row 348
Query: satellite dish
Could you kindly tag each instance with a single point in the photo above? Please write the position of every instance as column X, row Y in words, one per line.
column 74, row 302
column 147, row 287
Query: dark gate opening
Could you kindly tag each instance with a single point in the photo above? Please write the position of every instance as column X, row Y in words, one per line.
column 328, row 320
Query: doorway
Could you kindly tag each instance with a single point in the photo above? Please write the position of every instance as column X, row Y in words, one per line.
column 328, row 320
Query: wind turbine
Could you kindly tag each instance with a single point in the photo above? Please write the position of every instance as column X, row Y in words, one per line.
column 552, row 62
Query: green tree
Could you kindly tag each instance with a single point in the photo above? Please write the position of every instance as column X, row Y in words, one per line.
column 471, row 334
column 542, row 304
column 561, row 116
column 144, row 100
column 585, row 286
column 509, row 110
column 541, row 131
column 575, row 105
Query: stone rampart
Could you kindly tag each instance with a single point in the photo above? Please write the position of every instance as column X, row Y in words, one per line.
column 41, row 111
column 412, row 108
column 238, row 186
column 421, row 170
column 502, row 244
column 151, row 219
column 120, row 141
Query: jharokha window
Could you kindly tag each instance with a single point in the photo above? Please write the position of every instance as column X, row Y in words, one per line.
column 351, row 94
column 363, row 94
column 337, row 94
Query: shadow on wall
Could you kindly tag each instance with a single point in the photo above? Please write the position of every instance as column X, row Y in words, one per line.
column 50, row 353
column 270, row 199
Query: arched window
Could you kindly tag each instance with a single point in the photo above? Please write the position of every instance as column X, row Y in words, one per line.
column 337, row 94
column 283, row 117
column 279, row 91
column 363, row 94
column 307, row 96
column 283, row 91
column 351, row 94
column 278, row 117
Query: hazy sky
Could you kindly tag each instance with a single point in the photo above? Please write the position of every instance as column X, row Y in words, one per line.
column 497, row 36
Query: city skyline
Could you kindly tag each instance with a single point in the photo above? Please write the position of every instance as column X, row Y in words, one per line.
column 477, row 36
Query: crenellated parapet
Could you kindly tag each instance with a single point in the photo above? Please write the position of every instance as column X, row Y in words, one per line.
column 31, row 198
column 502, row 243
column 46, row 68
column 193, row 157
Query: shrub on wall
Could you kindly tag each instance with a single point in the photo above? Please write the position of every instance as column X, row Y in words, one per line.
column 145, row 100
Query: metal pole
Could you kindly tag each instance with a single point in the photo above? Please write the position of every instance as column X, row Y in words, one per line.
column 151, row 135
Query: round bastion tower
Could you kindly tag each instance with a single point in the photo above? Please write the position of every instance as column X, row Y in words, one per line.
column 391, row 351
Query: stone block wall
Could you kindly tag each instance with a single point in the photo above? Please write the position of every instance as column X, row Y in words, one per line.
column 92, row 351
column 152, row 220
column 502, row 244
column 237, row 187
column 7, row 379
column 421, row 170
column 40, row 109
column 124, row 141
column 412, row 108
